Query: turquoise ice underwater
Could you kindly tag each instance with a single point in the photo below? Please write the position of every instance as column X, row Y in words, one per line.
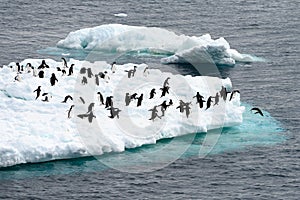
column 255, row 130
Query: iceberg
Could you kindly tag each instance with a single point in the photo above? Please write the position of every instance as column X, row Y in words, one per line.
column 37, row 131
column 118, row 38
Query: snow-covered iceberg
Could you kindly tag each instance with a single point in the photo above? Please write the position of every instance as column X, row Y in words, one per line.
column 121, row 38
column 36, row 131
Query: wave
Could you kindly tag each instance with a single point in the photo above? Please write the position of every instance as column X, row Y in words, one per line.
column 123, row 38
column 36, row 131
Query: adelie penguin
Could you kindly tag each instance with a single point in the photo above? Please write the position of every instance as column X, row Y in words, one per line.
column 53, row 79
column 257, row 111
column 109, row 102
column 199, row 99
column 140, row 99
column 166, row 83
column 113, row 67
column 65, row 64
column 232, row 93
column 100, row 97
column 38, row 92
column 69, row 111
column 208, row 103
column 43, row 65
column 66, row 99
column 46, row 97
column 71, row 70
column 152, row 93
column 41, row 74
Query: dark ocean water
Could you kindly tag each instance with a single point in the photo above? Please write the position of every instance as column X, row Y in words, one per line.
column 268, row 29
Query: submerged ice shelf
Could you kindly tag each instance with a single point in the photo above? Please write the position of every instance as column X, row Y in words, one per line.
column 36, row 131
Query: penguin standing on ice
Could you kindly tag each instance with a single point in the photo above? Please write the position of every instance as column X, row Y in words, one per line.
column 90, row 73
column 41, row 74
column 217, row 98
column 127, row 99
column 152, row 93
column 101, row 99
column 69, row 111
column 146, row 71
column 66, row 99
column 108, row 102
column 38, row 92
column 18, row 77
column 71, row 70
column 208, row 103
column 114, row 112
column 43, row 65
column 53, row 79
column 90, row 107
column 166, row 83
column 200, row 99
column 82, row 100
column 46, row 97
column 181, row 106
column 34, row 72
column 84, row 80
column 97, row 79
column 232, row 93
column 28, row 67
column 140, row 99
column 113, row 67
column 18, row 67
column 65, row 64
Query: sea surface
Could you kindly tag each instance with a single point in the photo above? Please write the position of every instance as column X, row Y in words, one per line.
column 265, row 168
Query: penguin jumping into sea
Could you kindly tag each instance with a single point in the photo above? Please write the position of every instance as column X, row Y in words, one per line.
column 38, row 92
column 258, row 111
column 53, row 79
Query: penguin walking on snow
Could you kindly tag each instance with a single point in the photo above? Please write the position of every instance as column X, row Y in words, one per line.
column 53, row 79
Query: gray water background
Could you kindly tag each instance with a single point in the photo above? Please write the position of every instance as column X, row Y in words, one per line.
column 269, row 29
